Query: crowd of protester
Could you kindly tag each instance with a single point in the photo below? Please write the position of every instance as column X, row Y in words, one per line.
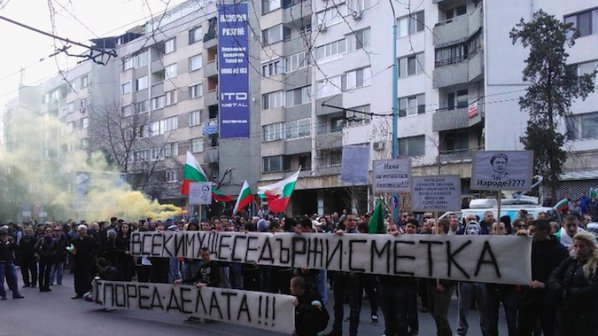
column 561, row 299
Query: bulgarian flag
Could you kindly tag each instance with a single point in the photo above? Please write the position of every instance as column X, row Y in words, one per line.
column 562, row 205
column 245, row 198
column 278, row 194
column 193, row 173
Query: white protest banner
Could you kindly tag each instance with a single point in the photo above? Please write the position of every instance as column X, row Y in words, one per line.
column 436, row 193
column 496, row 259
column 268, row 311
column 391, row 175
column 355, row 165
column 200, row 193
column 502, row 170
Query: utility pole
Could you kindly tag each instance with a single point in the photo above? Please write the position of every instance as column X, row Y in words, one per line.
column 395, row 105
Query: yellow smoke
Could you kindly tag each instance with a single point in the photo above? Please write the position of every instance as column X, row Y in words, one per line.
column 37, row 168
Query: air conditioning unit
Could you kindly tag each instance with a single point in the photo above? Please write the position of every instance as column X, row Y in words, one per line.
column 357, row 15
column 322, row 27
column 379, row 146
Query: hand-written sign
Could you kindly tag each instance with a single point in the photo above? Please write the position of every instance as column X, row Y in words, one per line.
column 355, row 165
column 391, row 175
column 502, row 170
column 496, row 259
column 436, row 193
column 254, row 309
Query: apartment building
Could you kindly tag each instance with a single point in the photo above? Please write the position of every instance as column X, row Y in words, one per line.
column 320, row 79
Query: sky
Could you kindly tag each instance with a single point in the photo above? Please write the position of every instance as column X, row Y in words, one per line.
column 77, row 20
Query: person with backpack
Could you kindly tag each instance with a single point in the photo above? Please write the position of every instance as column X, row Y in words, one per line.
column 311, row 316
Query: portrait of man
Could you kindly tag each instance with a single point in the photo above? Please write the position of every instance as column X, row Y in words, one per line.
column 499, row 164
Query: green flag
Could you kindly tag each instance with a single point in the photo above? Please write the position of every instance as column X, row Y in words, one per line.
column 376, row 224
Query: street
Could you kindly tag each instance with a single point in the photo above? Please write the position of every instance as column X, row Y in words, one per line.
column 55, row 313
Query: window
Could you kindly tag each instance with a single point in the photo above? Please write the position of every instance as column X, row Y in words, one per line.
column 85, row 143
column 331, row 49
column 455, row 142
column 141, row 59
column 171, row 175
column 297, row 96
column 141, row 106
column 84, row 123
column 459, row 52
column 195, row 90
column 141, row 83
column 412, row 146
column 128, row 63
column 359, row 5
column 169, row 124
column 154, row 128
column 412, row 105
column 273, row 132
column 411, row 65
column 170, row 46
column 171, row 71
column 331, row 15
column 359, row 118
column 276, row 34
column 411, row 24
column 126, row 88
column 195, row 62
column 70, row 125
column 584, row 23
column 157, row 102
column 454, row 12
column 197, row 145
column 84, row 82
column 70, row 107
column 195, row 35
column 127, row 111
column 272, row 68
column 272, row 164
column 297, row 129
column 270, row 5
column 140, row 156
column 337, row 124
column 297, row 61
column 586, row 68
column 194, row 118
column 171, row 97
column 582, row 126
column 357, row 79
column 358, row 40
column 458, row 99
column 272, row 100
column 328, row 87
column 171, row 149
column 155, row 154
column 83, row 105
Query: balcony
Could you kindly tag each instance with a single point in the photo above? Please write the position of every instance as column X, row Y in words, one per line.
column 298, row 146
column 211, row 155
column 158, row 89
column 444, row 120
column 456, row 155
column 458, row 29
column 329, row 140
column 336, row 100
column 210, row 39
column 324, row 170
column 297, row 10
column 157, row 66
column 210, row 98
column 459, row 70
column 210, row 69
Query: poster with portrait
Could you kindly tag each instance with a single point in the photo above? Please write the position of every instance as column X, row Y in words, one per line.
column 200, row 193
column 502, row 170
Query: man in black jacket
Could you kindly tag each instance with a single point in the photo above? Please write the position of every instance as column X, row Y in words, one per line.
column 84, row 252
column 28, row 259
column 547, row 254
column 311, row 316
column 7, row 266
column 46, row 249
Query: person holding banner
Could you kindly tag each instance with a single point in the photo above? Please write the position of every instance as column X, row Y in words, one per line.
column 575, row 283
column 535, row 305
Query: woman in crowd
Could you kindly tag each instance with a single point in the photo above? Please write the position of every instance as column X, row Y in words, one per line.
column 575, row 284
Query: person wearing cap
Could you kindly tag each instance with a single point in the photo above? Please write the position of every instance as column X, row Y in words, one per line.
column 7, row 266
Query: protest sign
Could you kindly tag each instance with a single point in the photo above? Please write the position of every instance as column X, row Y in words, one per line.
column 436, row 193
column 268, row 311
column 355, row 165
column 391, row 175
column 496, row 259
column 200, row 193
column 502, row 170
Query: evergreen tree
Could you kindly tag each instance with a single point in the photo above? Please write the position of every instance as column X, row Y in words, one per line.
column 553, row 86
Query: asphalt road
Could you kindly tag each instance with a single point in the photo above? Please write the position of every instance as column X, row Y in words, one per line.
column 55, row 313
